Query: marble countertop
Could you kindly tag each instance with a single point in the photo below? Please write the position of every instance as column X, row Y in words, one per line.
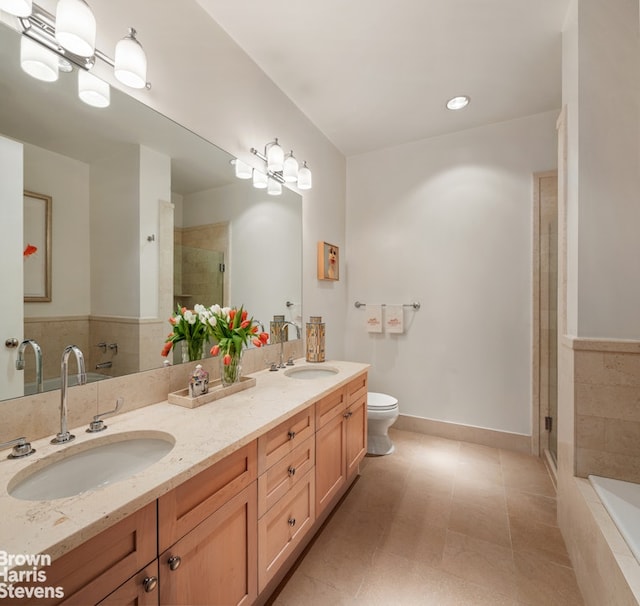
column 202, row 435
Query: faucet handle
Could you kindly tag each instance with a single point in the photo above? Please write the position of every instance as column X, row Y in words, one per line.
column 98, row 424
column 21, row 448
column 273, row 366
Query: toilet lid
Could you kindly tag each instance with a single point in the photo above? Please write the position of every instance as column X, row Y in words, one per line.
column 381, row 401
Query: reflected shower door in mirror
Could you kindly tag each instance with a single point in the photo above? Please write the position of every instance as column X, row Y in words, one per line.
column 132, row 192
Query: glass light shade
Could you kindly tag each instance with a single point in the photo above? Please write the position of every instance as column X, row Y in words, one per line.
column 259, row 180
column 130, row 61
column 19, row 8
column 290, row 169
column 274, row 188
column 243, row 170
column 38, row 61
column 92, row 90
column 275, row 157
column 76, row 27
column 304, row 177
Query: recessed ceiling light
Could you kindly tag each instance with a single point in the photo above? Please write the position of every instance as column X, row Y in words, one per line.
column 458, row 102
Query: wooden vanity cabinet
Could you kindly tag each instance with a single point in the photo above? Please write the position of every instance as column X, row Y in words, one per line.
column 341, row 439
column 286, row 489
column 140, row 590
column 208, row 535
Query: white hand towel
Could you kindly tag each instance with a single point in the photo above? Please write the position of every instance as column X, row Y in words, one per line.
column 394, row 318
column 374, row 318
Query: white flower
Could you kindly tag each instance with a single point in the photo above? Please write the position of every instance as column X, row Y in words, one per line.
column 190, row 317
column 212, row 320
column 199, row 308
column 215, row 309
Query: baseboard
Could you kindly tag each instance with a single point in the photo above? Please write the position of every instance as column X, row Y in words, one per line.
column 465, row 433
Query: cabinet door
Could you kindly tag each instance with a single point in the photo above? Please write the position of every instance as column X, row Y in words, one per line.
column 356, row 430
column 330, row 461
column 139, row 590
column 216, row 563
column 283, row 527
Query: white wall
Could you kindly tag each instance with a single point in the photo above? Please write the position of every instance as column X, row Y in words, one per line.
column 603, row 88
column 448, row 221
column 203, row 80
column 67, row 182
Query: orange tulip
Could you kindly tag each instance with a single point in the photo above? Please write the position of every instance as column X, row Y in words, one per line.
column 245, row 313
column 245, row 324
column 215, row 350
column 264, row 337
column 172, row 321
column 257, row 342
column 232, row 314
column 255, row 329
column 226, row 360
column 166, row 349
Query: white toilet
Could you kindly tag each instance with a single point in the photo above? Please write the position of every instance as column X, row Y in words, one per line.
column 382, row 412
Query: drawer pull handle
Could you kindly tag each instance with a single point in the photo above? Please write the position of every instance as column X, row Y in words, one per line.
column 291, row 434
column 347, row 415
column 291, row 521
column 291, row 471
column 149, row 584
column 174, row 562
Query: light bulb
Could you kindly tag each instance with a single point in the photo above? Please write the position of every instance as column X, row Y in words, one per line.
column 76, row 27
column 275, row 157
column 38, row 61
column 130, row 61
column 92, row 90
column 458, row 102
column 19, row 8
column 304, row 177
column 290, row 169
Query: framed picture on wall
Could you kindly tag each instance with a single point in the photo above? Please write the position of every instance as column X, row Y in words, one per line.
column 37, row 247
column 328, row 261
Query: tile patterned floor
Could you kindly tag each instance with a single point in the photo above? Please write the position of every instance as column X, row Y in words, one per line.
column 443, row 523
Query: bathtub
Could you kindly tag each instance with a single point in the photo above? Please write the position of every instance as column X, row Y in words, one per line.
column 622, row 502
column 50, row 384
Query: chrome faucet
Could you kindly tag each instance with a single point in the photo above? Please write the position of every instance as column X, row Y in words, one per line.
column 282, row 364
column 38, row 354
column 64, row 436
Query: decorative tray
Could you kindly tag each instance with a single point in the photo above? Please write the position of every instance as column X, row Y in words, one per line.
column 216, row 391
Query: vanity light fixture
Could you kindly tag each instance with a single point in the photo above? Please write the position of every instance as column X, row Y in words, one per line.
column 459, row 102
column 70, row 35
column 243, row 170
column 280, row 169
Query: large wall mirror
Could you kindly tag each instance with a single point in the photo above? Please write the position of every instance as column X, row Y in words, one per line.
column 145, row 215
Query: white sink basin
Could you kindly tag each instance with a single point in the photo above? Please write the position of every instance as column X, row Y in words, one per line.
column 311, row 372
column 90, row 465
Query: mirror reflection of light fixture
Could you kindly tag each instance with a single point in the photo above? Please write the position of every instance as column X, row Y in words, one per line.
column 76, row 27
column 280, row 169
column 19, row 8
column 38, row 61
column 274, row 188
column 130, row 61
column 259, row 180
column 242, row 169
column 92, row 90
column 70, row 35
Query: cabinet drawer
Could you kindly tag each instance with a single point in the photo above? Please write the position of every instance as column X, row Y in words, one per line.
column 91, row 571
column 282, row 528
column 330, row 406
column 283, row 475
column 188, row 504
column 356, row 389
column 139, row 590
column 284, row 438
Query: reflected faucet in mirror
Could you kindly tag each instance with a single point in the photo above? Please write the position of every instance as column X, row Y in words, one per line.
column 38, row 355
column 64, row 436
column 285, row 323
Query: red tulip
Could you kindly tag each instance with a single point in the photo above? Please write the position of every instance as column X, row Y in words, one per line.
column 172, row 321
column 244, row 315
column 245, row 324
column 257, row 342
column 255, row 329
column 166, row 349
column 183, row 309
column 226, row 360
column 264, row 337
column 232, row 314
column 215, row 350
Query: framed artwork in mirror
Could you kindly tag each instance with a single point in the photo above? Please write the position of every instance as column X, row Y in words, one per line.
column 37, row 247
column 328, row 261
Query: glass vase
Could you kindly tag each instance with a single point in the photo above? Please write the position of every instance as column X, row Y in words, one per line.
column 230, row 373
column 192, row 350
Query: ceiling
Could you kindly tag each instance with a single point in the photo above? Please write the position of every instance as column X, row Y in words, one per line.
column 372, row 74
